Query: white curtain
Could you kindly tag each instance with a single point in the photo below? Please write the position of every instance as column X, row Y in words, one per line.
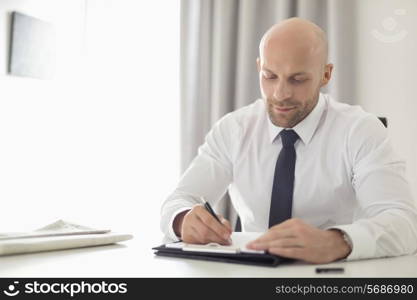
column 219, row 47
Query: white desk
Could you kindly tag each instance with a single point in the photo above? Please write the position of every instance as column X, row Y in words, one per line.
column 136, row 259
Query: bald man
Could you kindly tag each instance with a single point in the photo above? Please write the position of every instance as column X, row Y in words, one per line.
column 319, row 178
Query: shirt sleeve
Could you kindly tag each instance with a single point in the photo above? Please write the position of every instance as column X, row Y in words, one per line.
column 208, row 175
column 385, row 221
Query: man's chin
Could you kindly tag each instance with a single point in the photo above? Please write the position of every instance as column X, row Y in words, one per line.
column 281, row 121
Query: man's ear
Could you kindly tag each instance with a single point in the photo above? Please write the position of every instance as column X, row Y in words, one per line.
column 327, row 74
column 258, row 64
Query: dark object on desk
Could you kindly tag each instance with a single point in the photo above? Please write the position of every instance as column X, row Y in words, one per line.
column 330, row 270
column 267, row 260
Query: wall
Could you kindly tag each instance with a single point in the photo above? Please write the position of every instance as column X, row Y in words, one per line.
column 98, row 144
column 386, row 71
column 35, row 118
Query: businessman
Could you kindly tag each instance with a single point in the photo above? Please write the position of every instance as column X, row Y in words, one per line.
column 318, row 177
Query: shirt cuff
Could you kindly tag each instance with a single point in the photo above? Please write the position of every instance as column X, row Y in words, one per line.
column 363, row 244
column 171, row 232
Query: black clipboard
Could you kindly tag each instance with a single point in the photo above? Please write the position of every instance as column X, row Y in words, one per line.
column 256, row 259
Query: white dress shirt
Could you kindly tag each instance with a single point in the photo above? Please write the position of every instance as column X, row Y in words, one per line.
column 347, row 176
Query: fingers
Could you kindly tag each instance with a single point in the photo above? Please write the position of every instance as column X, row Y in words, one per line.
column 199, row 226
column 295, row 253
column 293, row 222
column 218, row 228
column 194, row 236
column 288, row 229
column 229, row 228
column 298, row 240
column 289, row 247
column 279, row 243
column 272, row 235
column 207, row 235
column 226, row 223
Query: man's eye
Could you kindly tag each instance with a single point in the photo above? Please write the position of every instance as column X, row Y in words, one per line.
column 269, row 76
column 298, row 80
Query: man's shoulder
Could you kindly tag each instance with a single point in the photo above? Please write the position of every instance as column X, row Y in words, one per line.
column 352, row 120
column 344, row 110
column 347, row 114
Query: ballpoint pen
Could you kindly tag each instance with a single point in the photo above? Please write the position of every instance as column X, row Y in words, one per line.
column 210, row 210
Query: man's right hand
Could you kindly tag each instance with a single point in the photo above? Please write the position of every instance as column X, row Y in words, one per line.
column 198, row 226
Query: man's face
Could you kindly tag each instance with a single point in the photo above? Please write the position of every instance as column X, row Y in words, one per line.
column 290, row 81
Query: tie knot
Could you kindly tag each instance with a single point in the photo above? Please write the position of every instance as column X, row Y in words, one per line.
column 289, row 137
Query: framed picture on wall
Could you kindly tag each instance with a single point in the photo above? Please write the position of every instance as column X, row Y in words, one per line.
column 32, row 47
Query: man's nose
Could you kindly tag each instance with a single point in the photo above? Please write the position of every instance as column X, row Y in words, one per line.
column 282, row 91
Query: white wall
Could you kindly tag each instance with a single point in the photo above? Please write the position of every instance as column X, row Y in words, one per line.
column 386, row 71
column 99, row 144
column 34, row 141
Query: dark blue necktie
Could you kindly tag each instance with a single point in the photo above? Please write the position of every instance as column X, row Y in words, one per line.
column 283, row 186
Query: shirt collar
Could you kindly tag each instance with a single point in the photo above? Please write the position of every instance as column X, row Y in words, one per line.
column 306, row 128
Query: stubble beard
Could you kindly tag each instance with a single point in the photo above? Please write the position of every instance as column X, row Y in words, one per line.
column 294, row 117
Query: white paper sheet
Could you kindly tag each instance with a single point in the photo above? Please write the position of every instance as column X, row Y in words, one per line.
column 58, row 235
column 239, row 242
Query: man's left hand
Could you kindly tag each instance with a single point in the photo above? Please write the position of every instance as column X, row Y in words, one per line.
column 296, row 239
